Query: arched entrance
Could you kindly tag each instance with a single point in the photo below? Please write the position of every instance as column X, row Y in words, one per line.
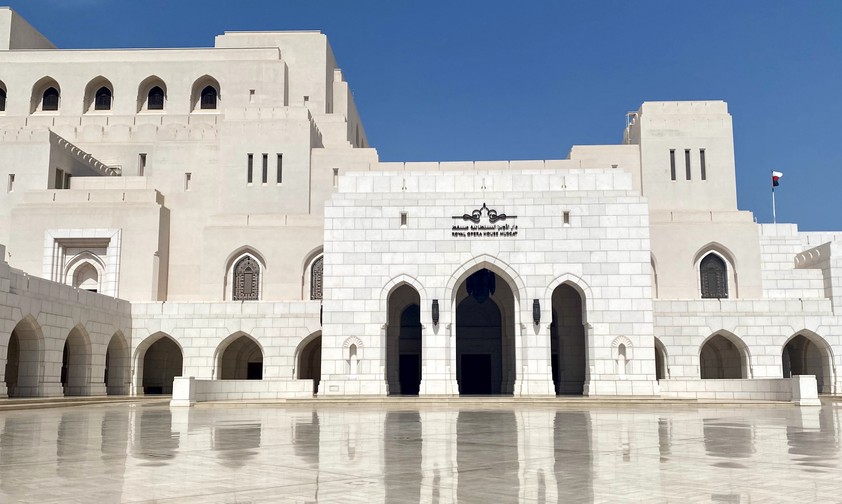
column 661, row 367
column 568, row 344
column 240, row 358
column 485, row 335
column 76, row 363
column 24, row 357
column 309, row 363
column 161, row 360
column 117, row 367
column 723, row 357
column 403, row 341
column 808, row 354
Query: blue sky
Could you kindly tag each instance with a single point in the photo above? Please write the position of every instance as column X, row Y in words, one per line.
column 477, row 80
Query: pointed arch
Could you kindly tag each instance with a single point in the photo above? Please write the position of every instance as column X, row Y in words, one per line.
column 244, row 272
column 724, row 355
column 805, row 352
column 152, row 94
column 206, row 94
column 46, row 95
column 25, row 359
column 403, row 339
column 76, row 362
column 312, row 285
column 74, row 268
column 117, row 365
column 662, row 370
column 712, row 281
column 308, row 359
column 486, row 261
column 239, row 357
column 99, row 93
column 158, row 359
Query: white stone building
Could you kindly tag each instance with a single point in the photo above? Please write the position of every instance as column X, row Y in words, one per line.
column 239, row 232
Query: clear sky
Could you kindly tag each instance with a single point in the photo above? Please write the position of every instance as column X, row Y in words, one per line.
column 478, row 80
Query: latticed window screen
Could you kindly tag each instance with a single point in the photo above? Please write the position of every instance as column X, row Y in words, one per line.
column 103, row 99
column 208, row 98
column 246, row 279
column 316, row 278
column 714, row 276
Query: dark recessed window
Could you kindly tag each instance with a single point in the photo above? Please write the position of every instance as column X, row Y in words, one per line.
column 50, row 99
column 103, row 99
column 672, row 164
column 2, row 100
column 208, row 101
column 703, row 165
column 714, row 277
column 155, row 99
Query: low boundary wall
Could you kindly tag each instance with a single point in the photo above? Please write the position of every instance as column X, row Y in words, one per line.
column 801, row 389
column 187, row 391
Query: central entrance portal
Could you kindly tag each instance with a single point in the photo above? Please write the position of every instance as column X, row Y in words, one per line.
column 485, row 351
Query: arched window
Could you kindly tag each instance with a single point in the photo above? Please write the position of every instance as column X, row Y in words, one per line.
column 246, row 279
column 103, row 99
column 713, row 273
column 49, row 100
column 155, row 99
column 316, row 278
column 2, row 100
column 86, row 277
column 208, row 98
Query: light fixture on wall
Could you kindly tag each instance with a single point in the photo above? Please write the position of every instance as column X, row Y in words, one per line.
column 435, row 312
column 536, row 311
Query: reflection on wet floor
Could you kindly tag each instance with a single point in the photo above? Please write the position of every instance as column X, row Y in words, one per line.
column 437, row 454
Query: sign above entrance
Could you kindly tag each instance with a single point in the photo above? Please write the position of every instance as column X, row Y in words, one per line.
column 475, row 228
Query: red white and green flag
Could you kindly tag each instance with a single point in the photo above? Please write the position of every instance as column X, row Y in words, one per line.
column 776, row 177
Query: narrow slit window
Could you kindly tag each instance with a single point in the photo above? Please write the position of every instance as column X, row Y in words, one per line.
column 67, row 180
column 566, row 217
column 141, row 164
column 265, row 173
column 403, row 219
column 2, row 100
column 702, row 164
column 188, row 177
column 336, row 177
column 672, row 164
column 280, row 169
column 11, row 186
column 251, row 95
column 250, row 169
column 687, row 163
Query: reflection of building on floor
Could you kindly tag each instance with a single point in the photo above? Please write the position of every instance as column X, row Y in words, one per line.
column 213, row 223
column 435, row 454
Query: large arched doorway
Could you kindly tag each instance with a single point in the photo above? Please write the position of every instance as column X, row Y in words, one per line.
column 161, row 362
column 403, row 341
column 723, row 357
column 24, row 356
column 309, row 363
column 76, row 363
column 117, row 367
column 568, row 345
column 485, row 335
column 808, row 354
column 240, row 358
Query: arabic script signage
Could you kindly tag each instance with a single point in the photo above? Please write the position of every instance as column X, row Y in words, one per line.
column 484, row 223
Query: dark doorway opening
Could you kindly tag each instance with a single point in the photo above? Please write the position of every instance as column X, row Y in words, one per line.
column 476, row 374
column 410, row 374
column 254, row 371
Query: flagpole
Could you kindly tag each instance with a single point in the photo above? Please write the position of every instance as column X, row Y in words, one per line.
column 774, row 217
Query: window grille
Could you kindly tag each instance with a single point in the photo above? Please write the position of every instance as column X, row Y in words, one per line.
column 714, row 277
column 155, row 99
column 246, row 279
column 316, row 278
column 208, row 101
column 50, row 99
column 103, row 99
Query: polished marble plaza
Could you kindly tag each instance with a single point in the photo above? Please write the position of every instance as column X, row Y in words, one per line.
column 404, row 453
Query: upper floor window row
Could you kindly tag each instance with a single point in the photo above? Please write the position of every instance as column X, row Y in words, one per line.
column 688, row 165
column 99, row 95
